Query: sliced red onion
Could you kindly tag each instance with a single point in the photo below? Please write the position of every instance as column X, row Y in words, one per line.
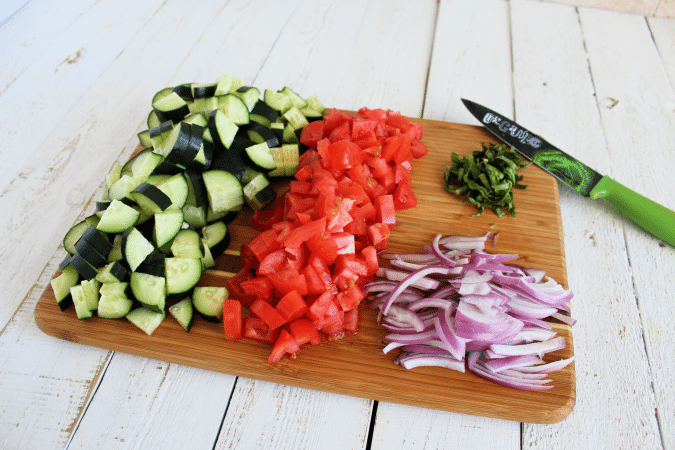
column 464, row 307
column 498, row 365
column 410, row 361
column 535, row 348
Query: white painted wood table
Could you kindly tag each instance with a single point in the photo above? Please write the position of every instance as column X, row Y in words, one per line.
column 76, row 79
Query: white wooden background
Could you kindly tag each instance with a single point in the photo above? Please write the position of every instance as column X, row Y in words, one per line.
column 76, row 80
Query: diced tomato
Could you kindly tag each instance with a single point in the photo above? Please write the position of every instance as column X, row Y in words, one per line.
column 319, row 306
column 379, row 236
column 255, row 328
column 234, row 287
column 304, row 331
column 416, row 131
column 304, row 232
column 291, row 306
column 284, row 345
column 351, row 320
column 369, row 255
column 338, row 219
column 287, row 280
column 355, row 265
column 253, row 252
column 323, row 272
column 385, row 210
column 340, row 133
column 332, row 323
column 398, row 121
column 351, row 298
column 418, row 149
column 345, row 243
column 232, row 319
column 324, row 246
column 263, row 219
column 312, row 133
column 267, row 313
column 259, row 287
column 391, row 147
column 274, row 262
column 404, row 198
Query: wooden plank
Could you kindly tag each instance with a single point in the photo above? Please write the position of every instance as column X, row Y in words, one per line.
column 640, row 128
column 355, row 365
column 471, row 59
column 290, row 417
column 554, row 94
column 394, row 78
column 642, row 7
column 154, row 405
column 60, row 74
column 44, row 382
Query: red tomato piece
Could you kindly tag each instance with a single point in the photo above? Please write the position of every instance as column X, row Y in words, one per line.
column 285, row 344
column 253, row 252
column 267, row 313
column 287, row 280
column 391, row 147
column 259, row 287
column 312, row 133
column 340, row 133
column 369, row 255
column 418, row 149
column 274, row 262
column 345, row 243
column 322, row 270
column 385, row 211
column 404, row 198
column 304, row 232
column 291, row 306
column 398, row 121
column 351, row 298
column 318, row 308
column 332, row 323
column 304, row 331
column 342, row 216
column 416, row 131
column 299, row 187
column 232, row 320
column 379, row 236
column 351, row 321
column 263, row 219
column 255, row 328
column 355, row 265
column 314, row 282
column 323, row 246
column 234, row 287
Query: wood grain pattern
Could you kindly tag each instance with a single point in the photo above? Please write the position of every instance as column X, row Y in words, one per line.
column 355, row 365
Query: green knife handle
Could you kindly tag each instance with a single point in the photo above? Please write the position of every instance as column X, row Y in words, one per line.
column 649, row 215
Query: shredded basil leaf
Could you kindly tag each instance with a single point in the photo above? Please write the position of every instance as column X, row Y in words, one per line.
column 487, row 177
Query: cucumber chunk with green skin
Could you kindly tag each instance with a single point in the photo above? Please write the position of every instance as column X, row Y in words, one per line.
column 150, row 198
column 61, row 286
column 117, row 217
column 208, row 301
column 113, row 272
column 234, row 108
column 135, row 248
column 183, row 312
column 167, row 226
column 182, row 274
column 176, row 188
column 145, row 319
column 222, row 128
column 187, row 244
column 114, row 306
column 91, row 293
column 224, row 191
column 80, row 302
column 148, row 289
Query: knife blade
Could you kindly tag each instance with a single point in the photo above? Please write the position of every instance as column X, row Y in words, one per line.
column 654, row 218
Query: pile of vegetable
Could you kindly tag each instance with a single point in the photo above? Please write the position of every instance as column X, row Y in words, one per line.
column 303, row 275
column 486, row 178
column 209, row 150
column 455, row 305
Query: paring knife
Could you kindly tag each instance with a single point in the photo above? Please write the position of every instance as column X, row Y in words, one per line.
column 652, row 217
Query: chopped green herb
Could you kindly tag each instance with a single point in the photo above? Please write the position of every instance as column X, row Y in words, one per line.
column 487, row 177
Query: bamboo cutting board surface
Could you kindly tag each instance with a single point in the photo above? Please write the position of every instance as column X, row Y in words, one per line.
column 355, row 364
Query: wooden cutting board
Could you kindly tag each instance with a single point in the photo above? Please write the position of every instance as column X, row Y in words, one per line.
column 355, row 365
